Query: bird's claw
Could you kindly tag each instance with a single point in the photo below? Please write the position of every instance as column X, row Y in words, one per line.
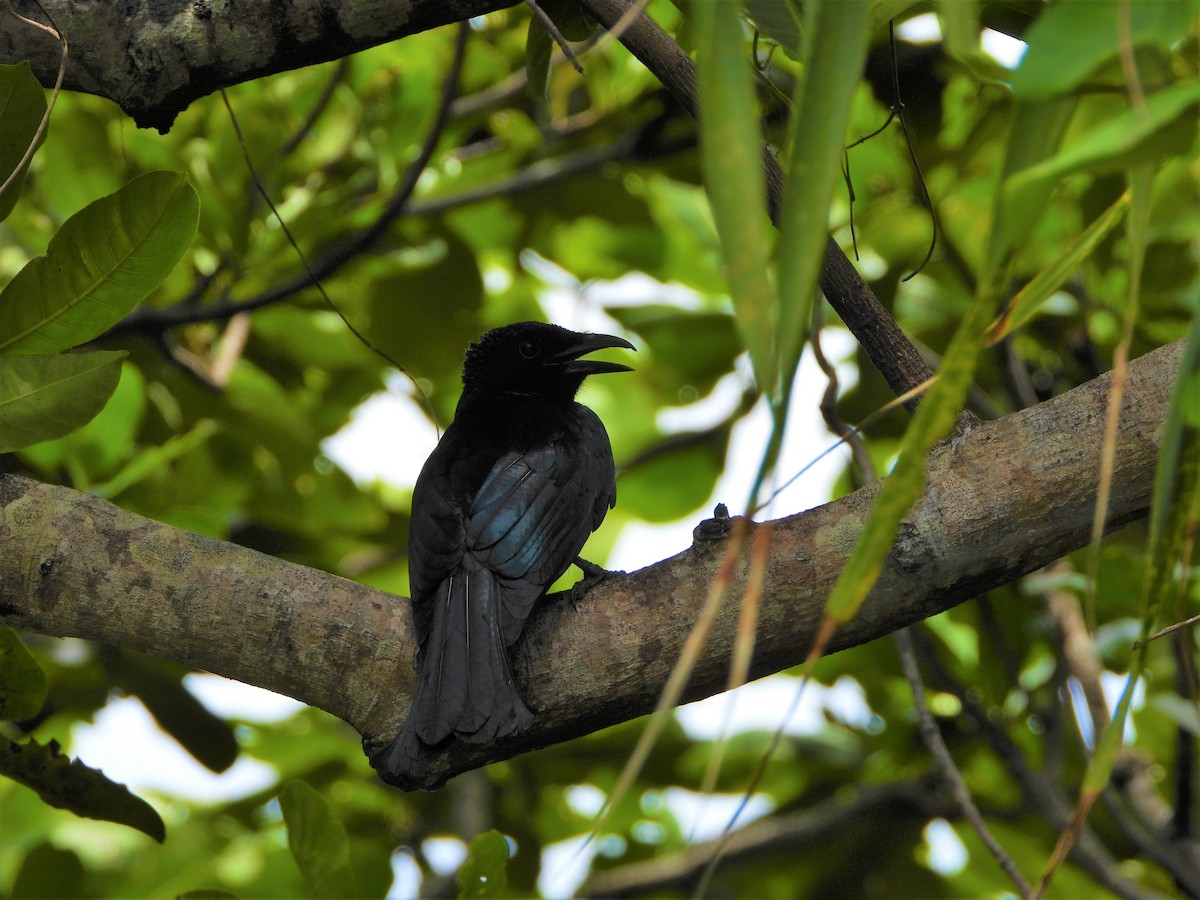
column 592, row 576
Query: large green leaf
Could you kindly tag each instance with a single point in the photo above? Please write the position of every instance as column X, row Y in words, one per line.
column 1167, row 126
column 22, row 681
column 45, row 397
column 485, row 872
column 104, row 259
column 22, row 106
column 69, row 784
column 1073, row 38
column 319, row 842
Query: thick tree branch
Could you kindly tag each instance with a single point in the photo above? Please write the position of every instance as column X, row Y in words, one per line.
column 155, row 57
column 1005, row 498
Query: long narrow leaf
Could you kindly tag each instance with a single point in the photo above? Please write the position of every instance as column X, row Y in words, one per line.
column 835, row 45
column 1031, row 297
column 103, row 260
column 731, row 153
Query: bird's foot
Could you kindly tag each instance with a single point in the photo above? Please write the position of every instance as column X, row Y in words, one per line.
column 592, row 576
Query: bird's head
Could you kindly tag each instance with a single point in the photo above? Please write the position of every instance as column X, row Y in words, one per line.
column 536, row 360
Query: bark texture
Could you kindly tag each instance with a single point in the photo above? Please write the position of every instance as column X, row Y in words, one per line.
column 1004, row 498
column 154, row 57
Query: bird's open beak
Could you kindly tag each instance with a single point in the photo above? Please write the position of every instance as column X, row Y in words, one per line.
column 571, row 363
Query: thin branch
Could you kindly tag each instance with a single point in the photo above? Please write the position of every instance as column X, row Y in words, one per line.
column 57, row 34
column 1043, row 792
column 552, row 30
column 828, row 405
column 932, row 736
column 318, row 108
column 338, row 254
column 789, row 832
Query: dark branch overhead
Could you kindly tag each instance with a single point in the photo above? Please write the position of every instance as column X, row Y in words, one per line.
column 155, row 57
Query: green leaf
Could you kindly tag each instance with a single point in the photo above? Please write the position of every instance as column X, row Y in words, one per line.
column 319, row 842
column 103, row 260
column 159, row 685
column 1037, row 131
column 1166, row 126
column 778, row 20
column 68, row 784
column 45, row 397
column 48, row 871
column 731, row 148
column 569, row 18
column 153, row 460
column 485, row 873
column 1071, row 39
column 539, row 46
column 1030, row 298
column 835, row 47
column 22, row 106
column 22, row 681
column 897, row 493
column 959, row 20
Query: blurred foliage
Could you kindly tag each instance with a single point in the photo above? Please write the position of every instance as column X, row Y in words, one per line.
column 534, row 202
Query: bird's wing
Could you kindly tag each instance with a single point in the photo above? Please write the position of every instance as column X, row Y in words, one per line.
column 532, row 515
column 435, row 543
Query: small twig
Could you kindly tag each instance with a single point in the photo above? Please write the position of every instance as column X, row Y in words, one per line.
column 1168, row 630
column 554, row 33
column 318, row 108
column 781, row 833
column 57, row 34
column 828, row 406
column 932, row 736
column 1079, row 653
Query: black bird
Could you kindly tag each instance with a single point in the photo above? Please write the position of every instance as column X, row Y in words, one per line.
column 500, row 510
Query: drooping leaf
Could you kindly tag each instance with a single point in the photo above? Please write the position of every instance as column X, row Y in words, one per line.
column 539, row 47
column 778, row 20
column 22, row 106
column 48, row 871
column 485, row 872
column 319, row 842
column 99, row 265
column 69, row 784
column 159, row 685
column 45, row 397
column 1166, row 126
column 22, row 681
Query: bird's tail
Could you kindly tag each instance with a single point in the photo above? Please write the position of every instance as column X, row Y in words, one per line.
column 466, row 688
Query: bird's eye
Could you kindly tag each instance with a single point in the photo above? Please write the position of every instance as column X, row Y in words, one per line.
column 527, row 349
